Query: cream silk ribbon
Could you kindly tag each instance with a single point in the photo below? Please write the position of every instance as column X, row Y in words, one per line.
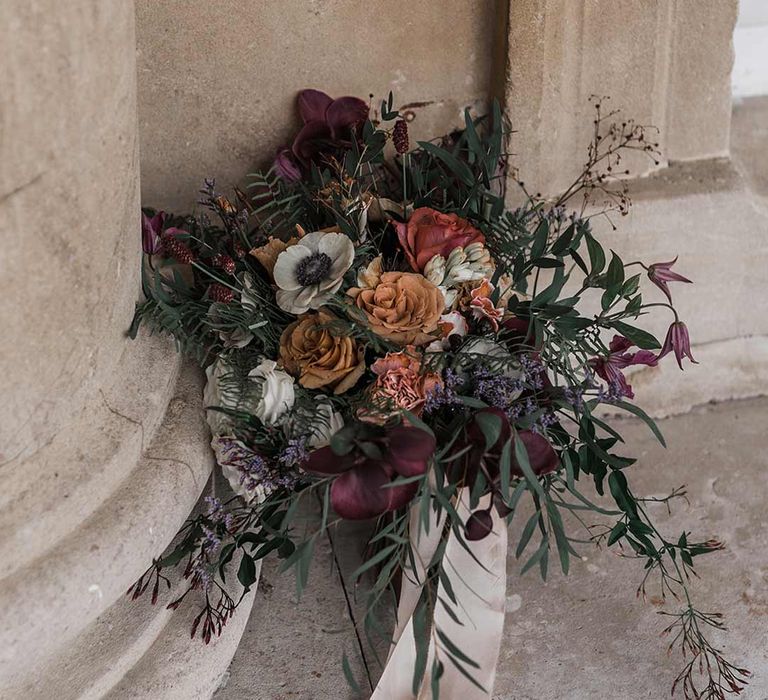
column 478, row 579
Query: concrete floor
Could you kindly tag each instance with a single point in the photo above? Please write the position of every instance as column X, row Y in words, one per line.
column 584, row 636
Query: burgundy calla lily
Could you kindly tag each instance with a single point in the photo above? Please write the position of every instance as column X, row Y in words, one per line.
column 541, row 455
column 542, row 459
column 327, row 130
column 679, row 342
column 151, row 230
column 661, row 273
column 363, row 486
column 609, row 367
column 286, row 167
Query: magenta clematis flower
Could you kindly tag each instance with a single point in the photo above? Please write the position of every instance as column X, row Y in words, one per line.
column 661, row 273
column 151, row 230
column 609, row 367
column 328, row 128
column 362, row 488
column 679, row 342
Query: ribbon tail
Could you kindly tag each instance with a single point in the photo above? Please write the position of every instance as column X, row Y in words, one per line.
column 396, row 682
column 480, row 593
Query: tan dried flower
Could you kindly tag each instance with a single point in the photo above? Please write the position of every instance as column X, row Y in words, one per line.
column 310, row 351
column 404, row 307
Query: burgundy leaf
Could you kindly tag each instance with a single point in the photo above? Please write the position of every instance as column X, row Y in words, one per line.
column 541, row 455
column 325, row 462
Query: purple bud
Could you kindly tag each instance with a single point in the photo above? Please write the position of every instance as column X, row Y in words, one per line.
column 478, row 525
column 151, row 229
column 286, row 166
column 679, row 342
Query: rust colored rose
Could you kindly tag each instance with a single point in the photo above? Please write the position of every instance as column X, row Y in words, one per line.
column 403, row 307
column 401, row 381
column 429, row 232
column 310, row 351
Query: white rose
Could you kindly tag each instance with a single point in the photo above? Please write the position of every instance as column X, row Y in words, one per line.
column 277, row 392
column 482, row 347
column 328, row 423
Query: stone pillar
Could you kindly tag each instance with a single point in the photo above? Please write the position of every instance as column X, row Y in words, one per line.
column 665, row 63
column 103, row 451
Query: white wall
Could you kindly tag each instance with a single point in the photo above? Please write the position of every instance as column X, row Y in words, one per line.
column 750, row 42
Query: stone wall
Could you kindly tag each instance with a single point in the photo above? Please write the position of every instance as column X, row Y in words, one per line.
column 217, row 81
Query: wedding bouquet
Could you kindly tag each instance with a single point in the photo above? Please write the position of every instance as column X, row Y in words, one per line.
column 385, row 339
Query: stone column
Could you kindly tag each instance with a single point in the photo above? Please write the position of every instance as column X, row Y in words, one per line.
column 103, row 451
column 665, row 63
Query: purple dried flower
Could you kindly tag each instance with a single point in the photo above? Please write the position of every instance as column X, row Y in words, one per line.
column 211, row 541
column 445, row 395
column 574, row 395
column 497, row 390
column 294, row 454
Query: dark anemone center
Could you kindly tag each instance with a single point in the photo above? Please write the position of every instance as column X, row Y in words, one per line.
column 313, row 269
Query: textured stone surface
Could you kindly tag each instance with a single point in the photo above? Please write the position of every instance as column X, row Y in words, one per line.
column 217, row 81
column 749, row 141
column 585, row 635
column 103, row 447
column 706, row 214
column 665, row 64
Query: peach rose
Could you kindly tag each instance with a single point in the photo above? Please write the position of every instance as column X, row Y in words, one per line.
column 310, row 351
column 403, row 307
column 429, row 232
column 483, row 307
column 401, row 382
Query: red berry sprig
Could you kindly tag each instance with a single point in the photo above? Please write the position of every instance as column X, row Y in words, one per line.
column 223, row 262
column 400, row 136
column 178, row 250
column 218, row 292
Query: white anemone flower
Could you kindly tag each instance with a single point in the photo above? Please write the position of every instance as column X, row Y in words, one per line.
column 311, row 271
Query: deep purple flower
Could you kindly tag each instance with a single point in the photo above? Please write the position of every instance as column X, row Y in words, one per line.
column 151, row 230
column 328, row 129
column 609, row 367
column 661, row 273
column 679, row 342
column 541, row 455
column 363, row 485
column 286, row 167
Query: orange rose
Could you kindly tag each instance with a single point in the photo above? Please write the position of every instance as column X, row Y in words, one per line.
column 401, row 383
column 429, row 232
column 310, row 351
column 403, row 307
